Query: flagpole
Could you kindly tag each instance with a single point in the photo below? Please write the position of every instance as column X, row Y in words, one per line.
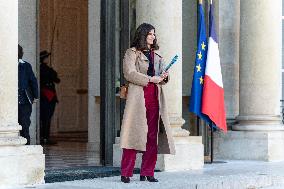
column 212, row 142
column 211, row 124
column 198, row 119
column 198, row 125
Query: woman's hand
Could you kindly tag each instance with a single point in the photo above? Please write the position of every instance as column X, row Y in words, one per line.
column 164, row 75
column 156, row 79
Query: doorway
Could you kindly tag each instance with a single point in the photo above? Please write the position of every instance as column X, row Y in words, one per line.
column 63, row 31
column 85, row 39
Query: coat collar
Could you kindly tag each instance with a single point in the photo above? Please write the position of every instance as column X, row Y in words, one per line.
column 157, row 52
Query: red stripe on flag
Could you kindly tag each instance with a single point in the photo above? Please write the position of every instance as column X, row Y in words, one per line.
column 213, row 103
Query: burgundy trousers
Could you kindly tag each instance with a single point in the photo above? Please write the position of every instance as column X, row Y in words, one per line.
column 149, row 157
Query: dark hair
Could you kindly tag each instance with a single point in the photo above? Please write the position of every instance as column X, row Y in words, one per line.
column 139, row 41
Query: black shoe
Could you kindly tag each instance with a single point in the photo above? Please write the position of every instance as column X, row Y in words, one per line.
column 142, row 178
column 125, row 179
column 149, row 178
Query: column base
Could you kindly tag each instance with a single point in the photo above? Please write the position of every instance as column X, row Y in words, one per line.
column 189, row 155
column 249, row 145
column 257, row 128
column 231, row 122
column 21, row 165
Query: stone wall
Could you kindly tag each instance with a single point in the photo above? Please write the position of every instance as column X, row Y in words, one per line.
column 28, row 39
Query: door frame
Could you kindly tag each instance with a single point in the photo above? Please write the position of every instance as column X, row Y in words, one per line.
column 38, row 48
column 107, row 81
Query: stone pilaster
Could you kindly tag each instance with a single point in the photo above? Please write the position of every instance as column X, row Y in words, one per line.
column 259, row 130
column 20, row 164
column 166, row 17
column 94, row 77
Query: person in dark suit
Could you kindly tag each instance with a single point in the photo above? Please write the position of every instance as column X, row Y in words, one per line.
column 27, row 94
column 48, row 97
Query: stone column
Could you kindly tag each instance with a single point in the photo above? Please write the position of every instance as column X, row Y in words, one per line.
column 8, row 74
column 259, row 130
column 260, row 63
column 20, row 164
column 229, row 32
column 166, row 17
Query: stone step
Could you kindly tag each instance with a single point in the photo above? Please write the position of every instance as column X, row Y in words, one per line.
column 81, row 173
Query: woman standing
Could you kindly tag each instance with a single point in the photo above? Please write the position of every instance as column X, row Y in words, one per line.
column 145, row 125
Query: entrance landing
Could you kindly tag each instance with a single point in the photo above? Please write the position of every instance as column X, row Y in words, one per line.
column 233, row 175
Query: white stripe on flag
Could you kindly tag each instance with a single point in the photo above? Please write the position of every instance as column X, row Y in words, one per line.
column 213, row 67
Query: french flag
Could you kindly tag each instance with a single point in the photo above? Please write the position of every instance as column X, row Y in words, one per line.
column 213, row 92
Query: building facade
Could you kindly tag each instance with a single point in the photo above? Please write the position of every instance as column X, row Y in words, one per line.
column 88, row 38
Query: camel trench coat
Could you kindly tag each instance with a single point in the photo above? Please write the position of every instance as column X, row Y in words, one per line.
column 134, row 126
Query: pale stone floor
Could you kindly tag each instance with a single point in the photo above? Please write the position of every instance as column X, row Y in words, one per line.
column 231, row 175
